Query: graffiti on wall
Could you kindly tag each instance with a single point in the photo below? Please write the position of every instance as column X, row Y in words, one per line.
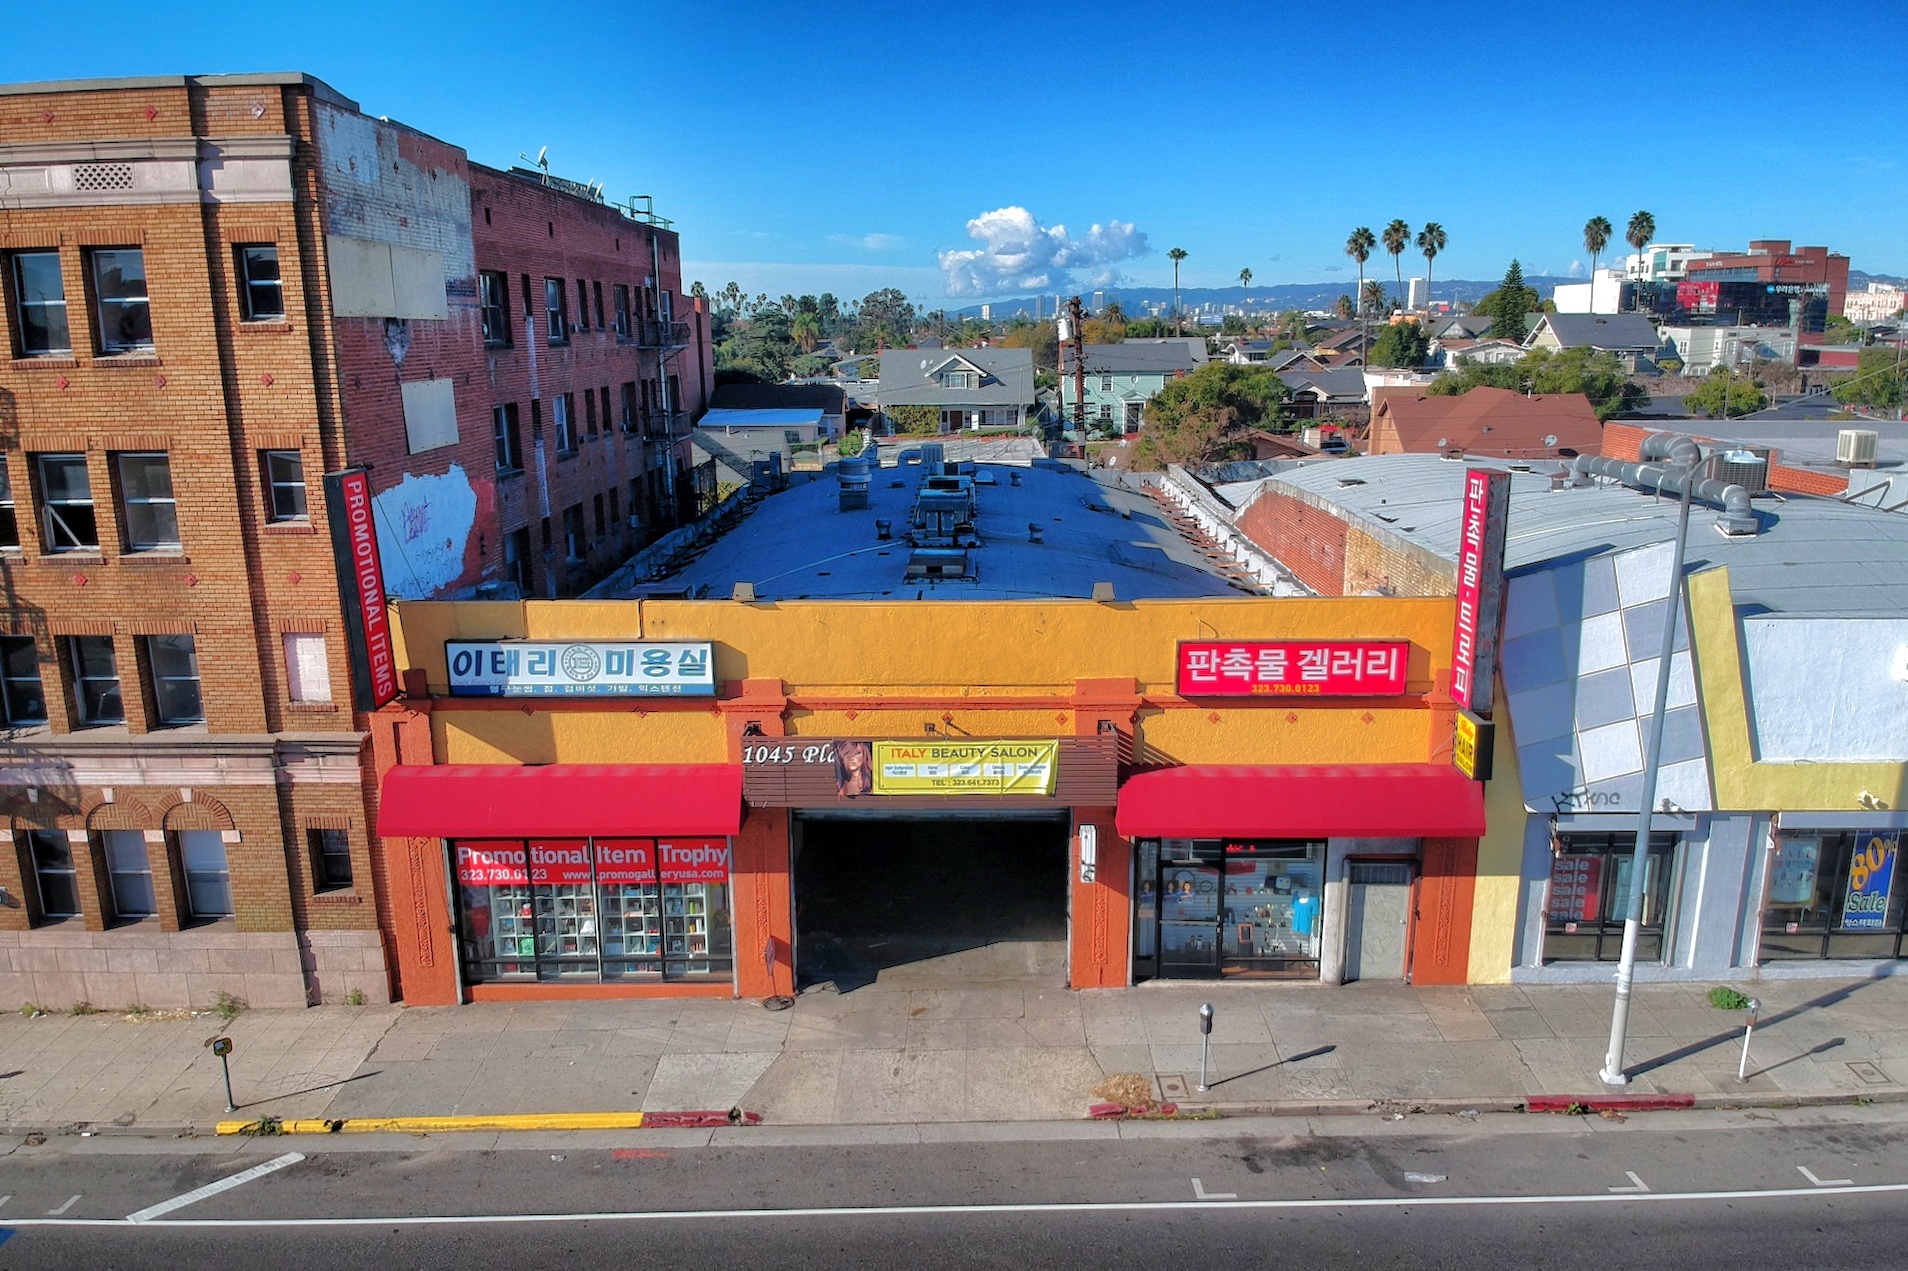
column 425, row 526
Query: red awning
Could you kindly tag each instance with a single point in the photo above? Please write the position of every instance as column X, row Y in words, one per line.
column 561, row 800
column 1363, row 801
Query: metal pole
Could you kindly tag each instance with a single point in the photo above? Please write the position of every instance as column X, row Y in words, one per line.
column 1613, row 1073
column 1205, row 1052
column 225, row 1064
column 1742, row 1069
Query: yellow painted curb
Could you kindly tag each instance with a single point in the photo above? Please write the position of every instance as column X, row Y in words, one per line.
column 442, row 1125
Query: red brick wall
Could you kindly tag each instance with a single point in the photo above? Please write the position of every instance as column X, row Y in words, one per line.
column 1309, row 542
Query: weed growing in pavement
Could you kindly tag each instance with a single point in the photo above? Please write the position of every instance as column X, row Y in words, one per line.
column 31, row 1011
column 1724, row 998
column 136, row 1010
column 355, row 997
column 227, row 1006
column 84, row 1008
column 264, row 1127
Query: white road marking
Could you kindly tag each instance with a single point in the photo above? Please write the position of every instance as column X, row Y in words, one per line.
column 1199, row 1190
column 70, row 1202
column 1824, row 1182
column 4, row 1199
column 957, row 1211
column 1638, row 1185
column 1412, row 1177
column 198, row 1194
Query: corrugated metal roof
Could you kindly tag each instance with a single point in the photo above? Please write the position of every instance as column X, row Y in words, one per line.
column 1813, row 556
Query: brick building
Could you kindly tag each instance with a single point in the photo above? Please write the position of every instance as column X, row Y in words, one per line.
column 217, row 289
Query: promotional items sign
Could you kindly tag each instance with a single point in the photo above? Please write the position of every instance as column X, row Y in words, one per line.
column 579, row 668
column 1322, row 668
column 354, row 549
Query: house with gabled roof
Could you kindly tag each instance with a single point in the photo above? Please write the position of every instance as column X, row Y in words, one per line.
column 971, row 388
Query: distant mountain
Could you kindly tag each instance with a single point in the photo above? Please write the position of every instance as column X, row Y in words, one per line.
column 1858, row 280
column 1275, row 296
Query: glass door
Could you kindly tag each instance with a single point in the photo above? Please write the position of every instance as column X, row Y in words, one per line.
column 1189, row 918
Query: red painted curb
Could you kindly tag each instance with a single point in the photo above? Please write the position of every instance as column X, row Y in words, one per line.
column 699, row 1120
column 1609, row 1102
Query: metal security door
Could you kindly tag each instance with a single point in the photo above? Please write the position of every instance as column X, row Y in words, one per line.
column 1379, row 913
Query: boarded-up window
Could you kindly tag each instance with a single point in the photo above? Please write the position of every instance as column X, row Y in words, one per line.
column 430, row 415
column 307, row 668
column 378, row 280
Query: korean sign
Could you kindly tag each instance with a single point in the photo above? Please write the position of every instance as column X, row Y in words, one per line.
column 1323, row 668
column 354, row 548
column 972, row 767
column 1871, row 878
column 576, row 668
column 1480, row 588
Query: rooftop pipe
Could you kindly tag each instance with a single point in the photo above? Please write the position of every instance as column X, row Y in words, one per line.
column 1670, row 461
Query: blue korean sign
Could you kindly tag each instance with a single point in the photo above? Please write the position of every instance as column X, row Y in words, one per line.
column 579, row 668
column 1871, row 878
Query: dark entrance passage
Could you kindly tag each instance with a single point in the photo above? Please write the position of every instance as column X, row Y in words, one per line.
column 932, row 900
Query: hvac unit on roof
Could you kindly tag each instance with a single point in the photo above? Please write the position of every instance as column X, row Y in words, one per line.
column 1855, row 447
column 1743, row 466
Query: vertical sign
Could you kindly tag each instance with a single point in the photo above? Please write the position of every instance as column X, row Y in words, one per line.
column 1871, row 882
column 354, row 545
column 1480, row 588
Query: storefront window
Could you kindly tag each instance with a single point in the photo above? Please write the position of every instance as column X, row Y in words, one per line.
column 1216, row 907
column 1590, row 897
column 1834, row 896
column 594, row 909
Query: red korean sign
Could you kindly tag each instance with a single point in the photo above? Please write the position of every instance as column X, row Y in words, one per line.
column 1308, row 668
column 485, row 864
column 1480, row 588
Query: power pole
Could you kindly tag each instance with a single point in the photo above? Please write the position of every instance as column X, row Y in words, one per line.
column 1079, row 368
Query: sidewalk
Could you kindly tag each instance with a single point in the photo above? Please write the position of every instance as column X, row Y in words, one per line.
column 986, row 1053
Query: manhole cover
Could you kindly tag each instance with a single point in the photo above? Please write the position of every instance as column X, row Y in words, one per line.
column 1868, row 1072
column 1173, row 1086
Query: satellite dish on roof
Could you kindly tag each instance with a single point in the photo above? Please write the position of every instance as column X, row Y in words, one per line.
column 1551, row 440
column 1443, row 442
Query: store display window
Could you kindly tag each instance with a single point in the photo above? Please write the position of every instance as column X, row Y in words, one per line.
column 1209, row 907
column 599, row 910
column 1590, row 897
column 1834, row 896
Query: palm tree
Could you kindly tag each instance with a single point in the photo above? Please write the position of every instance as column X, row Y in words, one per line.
column 1358, row 247
column 1430, row 242
column 1596, row 237
column 1397, row 237
column 1372, row 298
column 1245, row 283
column 1176, row 255
column 1639, row 232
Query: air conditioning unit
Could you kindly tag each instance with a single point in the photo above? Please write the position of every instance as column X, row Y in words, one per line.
column 1855, row 447
column 1743, row 466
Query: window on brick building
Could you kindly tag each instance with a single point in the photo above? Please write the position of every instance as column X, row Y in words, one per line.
column 9, row 516
column 307, row 667
column 602, row 397
column 516, row 559
column 555, row 310
column 563, row 419
column 602, row 518
column 582, row 305
column 96, row 680
column 493, row 298
column 621, row 294
column 507, row 436
column 261, row 290
column 129, row 869
column 208, row 876
column 285, row 485
column 330, row 859
column 20, row 687
column 616, row 512
column 39, row 305
column 635, row 499
column 596, row 290
column 69, row 522
column 172, row 662
column 54, row 872
column 119, row 294
column 629, row 405
column 147, row 507
column 589, row 412
column 672, row 393
column 574, row 544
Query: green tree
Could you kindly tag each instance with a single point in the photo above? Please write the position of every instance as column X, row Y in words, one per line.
column 870, row 368
column 1147, row 329
column 1113, row 314
column 1204, row 417
column 1402, row 344
column 1043, row 338
column 886, row 320
column 762, row 345
column 914, row 421
column 1840, row 330
column 1638, row 233
column 1358, row 246
column 1880, row 381
column 1507, row 305
column 1176, row 255
column 1232, row 324
column 1596, row 237
column 1373, row 293
column 1343, row 306
column 1245, row 284
column 1726, row 396
column 1598, row 376
column 1396, row 238
column 851, row 443
column 1431, row 241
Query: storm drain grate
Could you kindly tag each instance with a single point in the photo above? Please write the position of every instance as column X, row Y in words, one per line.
column 1868, row 1073
column 1173, row 1086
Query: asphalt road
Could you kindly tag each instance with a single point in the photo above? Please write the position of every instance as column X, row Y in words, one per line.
column 1684, row 1191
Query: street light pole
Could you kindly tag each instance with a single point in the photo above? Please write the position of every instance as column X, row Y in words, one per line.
column 1685, row 450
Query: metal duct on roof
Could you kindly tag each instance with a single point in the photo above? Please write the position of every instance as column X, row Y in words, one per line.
column 1738, row 517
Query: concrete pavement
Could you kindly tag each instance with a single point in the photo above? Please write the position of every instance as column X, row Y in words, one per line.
column 985, row 1053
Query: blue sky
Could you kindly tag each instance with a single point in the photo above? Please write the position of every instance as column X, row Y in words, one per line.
column 809, row 147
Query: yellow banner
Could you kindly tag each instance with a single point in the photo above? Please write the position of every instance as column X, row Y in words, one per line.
column 965, row 767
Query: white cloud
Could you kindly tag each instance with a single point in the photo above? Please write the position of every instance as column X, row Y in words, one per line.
column 868, row 242
column 1576, row 269
column 1018, row 253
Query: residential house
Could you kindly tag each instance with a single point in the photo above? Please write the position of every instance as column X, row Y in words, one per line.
column 971, row 388
column 1466, row 326
column 1450, row 351
column 1631, row 336
column 1488, row 422
column 1326, row 394
column 1121, row 378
